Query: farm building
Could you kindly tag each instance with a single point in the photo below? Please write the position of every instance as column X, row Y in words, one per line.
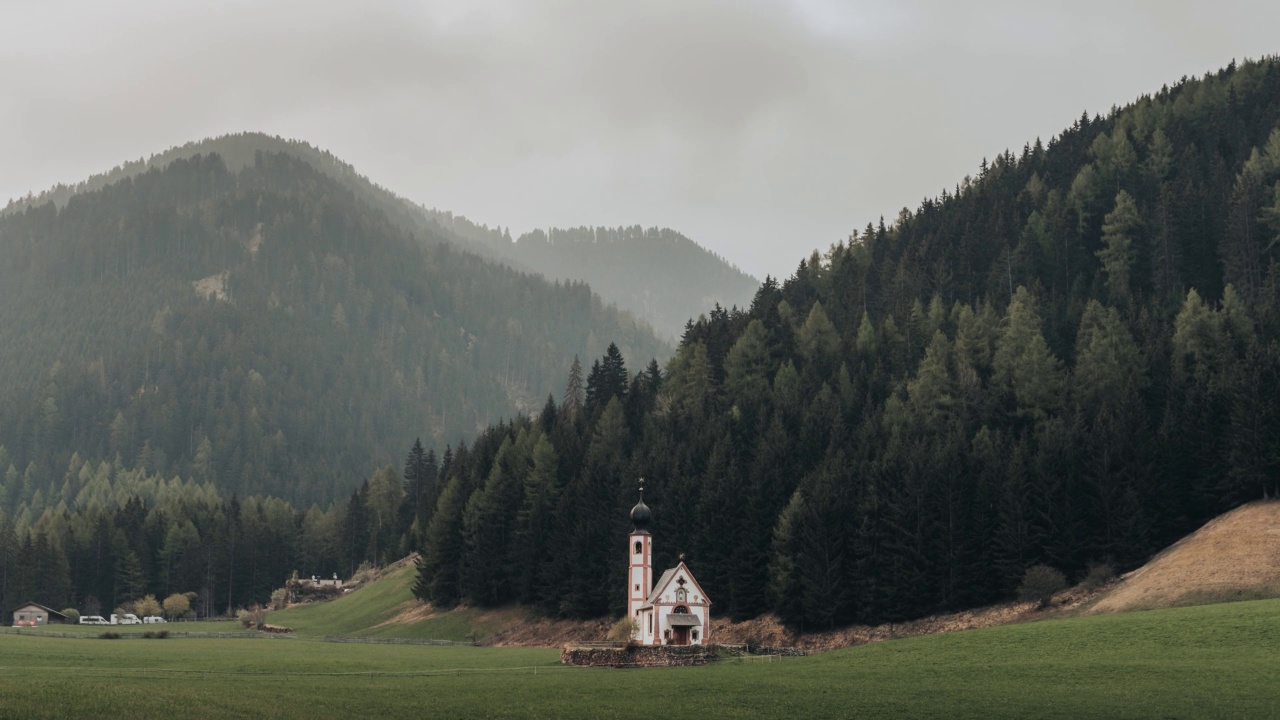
column 675, row 610
column 33, row 614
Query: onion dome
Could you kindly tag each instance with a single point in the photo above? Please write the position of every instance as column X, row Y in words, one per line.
column 640, row 514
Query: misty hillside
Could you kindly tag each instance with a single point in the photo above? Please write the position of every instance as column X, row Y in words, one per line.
column 262, row 325
column 658, row 274
column 1071, row 359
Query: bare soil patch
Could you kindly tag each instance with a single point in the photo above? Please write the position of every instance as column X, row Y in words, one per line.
column 213, row 287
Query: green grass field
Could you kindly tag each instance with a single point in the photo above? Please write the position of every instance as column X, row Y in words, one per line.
column 1212, row 661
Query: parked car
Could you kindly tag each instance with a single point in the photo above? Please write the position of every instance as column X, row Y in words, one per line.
column 153, row 619
column 94, row 620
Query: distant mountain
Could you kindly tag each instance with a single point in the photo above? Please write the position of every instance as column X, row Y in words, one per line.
column 656, row 274
column 263, row 318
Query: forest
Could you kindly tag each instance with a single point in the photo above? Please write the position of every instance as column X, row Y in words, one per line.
column 266, row 330
column 1069, row 358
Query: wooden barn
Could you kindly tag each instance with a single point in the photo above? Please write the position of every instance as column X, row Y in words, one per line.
column 33, row 614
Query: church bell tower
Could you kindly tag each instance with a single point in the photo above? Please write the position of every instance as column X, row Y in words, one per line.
column 640, row 549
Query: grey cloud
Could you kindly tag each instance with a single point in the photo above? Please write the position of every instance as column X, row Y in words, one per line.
column 762, row 128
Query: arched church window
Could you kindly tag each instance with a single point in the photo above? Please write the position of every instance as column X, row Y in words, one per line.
column 680, row 610
column 637, row 547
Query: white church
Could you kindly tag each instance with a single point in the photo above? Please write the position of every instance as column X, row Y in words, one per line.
column 673, row 611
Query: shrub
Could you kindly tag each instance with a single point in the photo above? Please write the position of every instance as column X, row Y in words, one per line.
column 253, row 618
column 1039, row 585
column 156, row 634
column 312, row 593
column 1098, row 574
column 176, row 605
column 364, row 573
column 73, row 615
column 146, row 606
column 279, row 599
column 624, row 630
column 109, row 636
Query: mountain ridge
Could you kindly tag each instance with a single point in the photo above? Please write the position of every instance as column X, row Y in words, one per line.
column 313, row 288
column 715, row 279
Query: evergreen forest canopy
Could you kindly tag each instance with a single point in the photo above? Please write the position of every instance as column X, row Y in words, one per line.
column 266, row 331
column 1072, row 358
column 656, row 274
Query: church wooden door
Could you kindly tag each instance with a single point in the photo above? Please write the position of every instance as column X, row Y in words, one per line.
column 680, row 636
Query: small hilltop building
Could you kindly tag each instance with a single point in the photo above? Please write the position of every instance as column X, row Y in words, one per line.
column 673, row 611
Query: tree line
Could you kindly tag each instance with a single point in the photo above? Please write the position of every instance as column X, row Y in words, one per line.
column 1070, row 359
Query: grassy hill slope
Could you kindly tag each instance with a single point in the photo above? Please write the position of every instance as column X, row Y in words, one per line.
column 1234, row 556
column 386, row 608
column 1209, row 661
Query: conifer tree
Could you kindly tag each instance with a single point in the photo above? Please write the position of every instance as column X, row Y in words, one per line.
column 1024, row 367
column 574, row 392
column 1117, row 255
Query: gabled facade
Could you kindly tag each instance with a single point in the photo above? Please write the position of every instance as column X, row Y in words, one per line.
column 33, row 614
column 675, row 610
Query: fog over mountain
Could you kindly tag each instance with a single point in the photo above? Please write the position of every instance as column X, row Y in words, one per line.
column 760, row 129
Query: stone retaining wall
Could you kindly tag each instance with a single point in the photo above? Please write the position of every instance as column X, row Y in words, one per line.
column 634, row 656
column 760, row 650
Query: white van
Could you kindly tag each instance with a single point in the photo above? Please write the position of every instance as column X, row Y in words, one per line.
column 93, row 620
column 125, row 619
column 149, row 619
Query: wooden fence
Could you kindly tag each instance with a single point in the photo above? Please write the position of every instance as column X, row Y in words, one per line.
column 392, row 641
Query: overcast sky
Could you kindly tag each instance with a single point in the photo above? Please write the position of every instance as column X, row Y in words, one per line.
column 760, row 128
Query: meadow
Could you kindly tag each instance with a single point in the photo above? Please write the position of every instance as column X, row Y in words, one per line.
column 1211, row 661
column 385, row 608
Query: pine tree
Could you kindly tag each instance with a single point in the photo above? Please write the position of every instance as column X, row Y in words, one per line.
column 1024, row 367
column 1119, row 238
column 574, row 392
column 1108, row 362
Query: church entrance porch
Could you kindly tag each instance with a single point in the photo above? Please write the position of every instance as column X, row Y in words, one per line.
column 683, row 624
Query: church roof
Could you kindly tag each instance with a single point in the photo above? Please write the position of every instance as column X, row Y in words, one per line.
column 667, row 578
